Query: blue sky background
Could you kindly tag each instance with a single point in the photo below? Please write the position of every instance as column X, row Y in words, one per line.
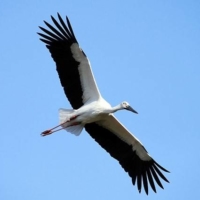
column 144, row 52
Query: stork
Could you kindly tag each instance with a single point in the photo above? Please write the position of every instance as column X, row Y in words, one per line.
column 92, row 112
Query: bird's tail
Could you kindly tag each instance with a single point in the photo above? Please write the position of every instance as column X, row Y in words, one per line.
column 64, row 115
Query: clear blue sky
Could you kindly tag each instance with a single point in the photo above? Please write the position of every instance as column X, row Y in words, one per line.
column 144, row 52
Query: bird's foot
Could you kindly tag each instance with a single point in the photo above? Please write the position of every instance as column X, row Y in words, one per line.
column 45, row 133
column 56, row 128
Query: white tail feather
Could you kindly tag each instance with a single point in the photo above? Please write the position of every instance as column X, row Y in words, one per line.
column 76, row 130
column 64, row 115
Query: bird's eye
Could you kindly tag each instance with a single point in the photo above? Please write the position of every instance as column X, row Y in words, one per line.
column 125, row 104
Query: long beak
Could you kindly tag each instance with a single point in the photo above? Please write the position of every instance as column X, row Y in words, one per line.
column 131, row 109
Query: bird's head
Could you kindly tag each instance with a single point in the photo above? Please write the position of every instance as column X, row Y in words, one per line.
column 125, row 105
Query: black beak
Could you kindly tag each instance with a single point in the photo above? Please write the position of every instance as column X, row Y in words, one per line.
column 131, row 109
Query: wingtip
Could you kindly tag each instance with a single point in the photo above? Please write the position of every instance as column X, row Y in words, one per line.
column 38, row 33
column 161, row 167
column 52, row 17
column 68, row 22
column 59, row 16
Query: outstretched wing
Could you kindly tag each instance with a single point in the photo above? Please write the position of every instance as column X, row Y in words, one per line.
column 127, row 149
column 72, row 65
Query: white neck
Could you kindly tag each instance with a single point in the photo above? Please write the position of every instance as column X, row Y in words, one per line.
column 115, row 108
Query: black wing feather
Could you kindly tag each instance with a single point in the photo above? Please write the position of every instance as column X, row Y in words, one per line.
column 150, row 179
column 156, row 177
column 55, row 37
column 60, row 28
column 55, row 31
column 66, row 28
column 48, row 38
column 45, row 41
column 142, row 171
column 159, row 173
column 59, row 43
column 70, row 28
column 145, row 180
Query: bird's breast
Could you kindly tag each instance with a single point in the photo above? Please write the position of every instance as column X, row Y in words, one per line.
column 92, row 113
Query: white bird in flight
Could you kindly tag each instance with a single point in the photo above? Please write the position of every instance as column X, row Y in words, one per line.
column 92, row 112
